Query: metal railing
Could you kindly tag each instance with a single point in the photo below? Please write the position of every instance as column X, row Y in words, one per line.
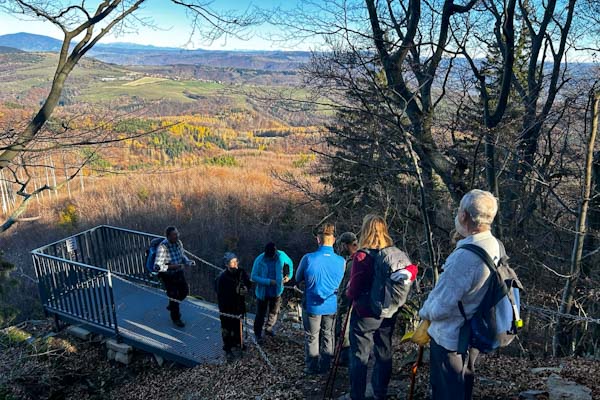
column 74, row 273
column 76, row 291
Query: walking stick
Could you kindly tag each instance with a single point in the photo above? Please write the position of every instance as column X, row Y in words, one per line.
column 242, row 333
column 330, row 385
column 413, row 370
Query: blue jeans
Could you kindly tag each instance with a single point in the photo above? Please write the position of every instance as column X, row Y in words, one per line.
column 319, row 341
column 367, row 334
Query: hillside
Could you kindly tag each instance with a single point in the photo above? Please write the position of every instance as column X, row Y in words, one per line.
column 6, row 49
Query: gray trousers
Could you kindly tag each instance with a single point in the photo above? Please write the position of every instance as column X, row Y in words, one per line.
column 319, row 340
column 452, row 375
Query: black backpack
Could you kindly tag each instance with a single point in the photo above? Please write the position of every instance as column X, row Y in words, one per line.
column 497, row 318
column 390, row 288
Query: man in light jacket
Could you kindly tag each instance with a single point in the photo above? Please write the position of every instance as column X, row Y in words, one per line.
column 464, row 280
column 271, row 270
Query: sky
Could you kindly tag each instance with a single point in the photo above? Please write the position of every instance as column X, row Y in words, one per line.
column 173, row 27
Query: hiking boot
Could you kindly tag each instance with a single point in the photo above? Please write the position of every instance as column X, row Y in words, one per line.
column 179, row 323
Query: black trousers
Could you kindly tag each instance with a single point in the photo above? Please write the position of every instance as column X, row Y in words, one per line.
column 231, row 332
column 452, row 375
column 368, row 334
column 177, row 288
column 272, row 304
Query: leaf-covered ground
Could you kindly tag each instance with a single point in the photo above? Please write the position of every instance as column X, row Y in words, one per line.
column 60, row 367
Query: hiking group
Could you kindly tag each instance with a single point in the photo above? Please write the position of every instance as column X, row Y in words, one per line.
column 353, row 294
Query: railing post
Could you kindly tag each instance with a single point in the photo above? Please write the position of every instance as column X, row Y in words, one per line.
column 113, row 306
column 41, row 289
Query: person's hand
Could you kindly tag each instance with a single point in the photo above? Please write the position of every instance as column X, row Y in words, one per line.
column 273, row 282
column 192, row 263
column 286, row 279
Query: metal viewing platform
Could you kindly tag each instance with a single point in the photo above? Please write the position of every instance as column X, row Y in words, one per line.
column 97, row 279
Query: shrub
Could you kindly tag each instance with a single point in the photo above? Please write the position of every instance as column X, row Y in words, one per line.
column 304, row 160
column 68, row 216
column 222, row 161
column 143, row 194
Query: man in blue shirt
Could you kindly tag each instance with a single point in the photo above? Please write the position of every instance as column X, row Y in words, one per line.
column 322, row 272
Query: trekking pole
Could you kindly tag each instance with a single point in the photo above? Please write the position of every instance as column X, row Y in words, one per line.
column 242, row 333
column 413, row 375
column 330, row 384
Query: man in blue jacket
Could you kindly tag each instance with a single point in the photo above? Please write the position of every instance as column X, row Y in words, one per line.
column 270, row 271
column 322, row 271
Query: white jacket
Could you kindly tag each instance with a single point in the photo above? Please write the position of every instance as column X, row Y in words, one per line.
column 463, row 279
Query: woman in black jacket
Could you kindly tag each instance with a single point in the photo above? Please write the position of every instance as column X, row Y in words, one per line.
column 232, row 285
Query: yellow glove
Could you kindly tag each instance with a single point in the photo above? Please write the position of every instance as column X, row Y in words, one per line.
column 420, row 336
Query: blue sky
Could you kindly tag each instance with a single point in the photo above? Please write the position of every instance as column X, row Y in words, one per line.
column 173, row 26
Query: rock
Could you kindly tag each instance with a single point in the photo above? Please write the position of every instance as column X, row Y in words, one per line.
column 118, row 347
column 111, row 354
column 561, row 389
column 97, row 338
column 546, row 369
column 79, row 332
column 489, row 382
column 533, row 394
column 124, row 358
column 159, row 360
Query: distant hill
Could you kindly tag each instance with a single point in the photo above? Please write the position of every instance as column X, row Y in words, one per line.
column 135, row 54
column 30, row 42
column 6, row 49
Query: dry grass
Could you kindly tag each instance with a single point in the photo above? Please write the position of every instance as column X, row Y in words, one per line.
column 217, row 209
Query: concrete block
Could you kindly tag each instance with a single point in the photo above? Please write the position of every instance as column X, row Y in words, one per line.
column 159, row 360
column 79, row 332
column 110, row 354
column 118, row 347
column 123, row 358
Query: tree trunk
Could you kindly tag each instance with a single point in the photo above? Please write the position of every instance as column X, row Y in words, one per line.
column 492, row 176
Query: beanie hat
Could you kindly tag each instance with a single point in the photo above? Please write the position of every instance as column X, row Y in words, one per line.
column 347, row 238
column 228, row 257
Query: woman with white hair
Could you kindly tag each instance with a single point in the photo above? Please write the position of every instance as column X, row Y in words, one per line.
column 463, row 281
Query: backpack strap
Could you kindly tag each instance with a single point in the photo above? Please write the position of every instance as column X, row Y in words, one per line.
column 486, row 259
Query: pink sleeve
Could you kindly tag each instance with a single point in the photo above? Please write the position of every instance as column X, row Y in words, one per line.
column 361, row 275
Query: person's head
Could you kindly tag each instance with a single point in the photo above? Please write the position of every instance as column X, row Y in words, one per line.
column 374, row 233
column 326, row 234
column 230, row 260
column 172, row 234
column 476, row 212
column 347, row 244
column 270, row 250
